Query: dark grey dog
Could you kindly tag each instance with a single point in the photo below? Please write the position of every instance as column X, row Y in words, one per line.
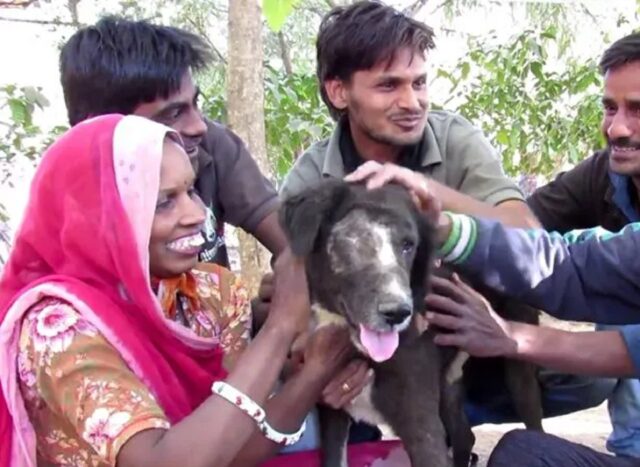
column 369, row 255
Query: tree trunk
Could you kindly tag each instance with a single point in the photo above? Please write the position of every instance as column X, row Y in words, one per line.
column 245, row 107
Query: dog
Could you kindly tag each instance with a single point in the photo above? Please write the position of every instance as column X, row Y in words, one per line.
column 369, row 255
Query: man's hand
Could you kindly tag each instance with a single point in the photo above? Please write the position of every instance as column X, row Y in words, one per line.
column 472, row 324
column 377, row 175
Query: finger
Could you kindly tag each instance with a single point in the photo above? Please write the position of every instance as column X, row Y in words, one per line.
column 472, row 293
column 363, row 172
column 387, row 174
column 448, row 288
column 455, row 278
column 444, row 304
column 344, row 375
column 348, row 397
column 393, row 173
column 444, row 321
column 449, row 340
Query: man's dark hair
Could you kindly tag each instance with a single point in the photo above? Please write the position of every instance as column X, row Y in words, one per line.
column 118, row 64
column 621, row 52
column 357, row 37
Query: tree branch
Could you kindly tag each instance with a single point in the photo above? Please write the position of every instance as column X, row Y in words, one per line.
column 45, row 22
column 285, row 54
column 72, row 5
column 412, row 9
column 16, row 3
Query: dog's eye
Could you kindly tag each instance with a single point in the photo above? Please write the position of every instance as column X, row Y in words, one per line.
column 408, row 247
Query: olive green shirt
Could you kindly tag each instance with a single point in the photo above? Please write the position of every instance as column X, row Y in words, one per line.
column 456, row 154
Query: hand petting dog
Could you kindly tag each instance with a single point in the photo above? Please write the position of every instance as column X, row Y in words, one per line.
column 467, row 318
column 376, row 175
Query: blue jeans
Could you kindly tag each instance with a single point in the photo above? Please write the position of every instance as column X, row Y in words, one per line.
column 624, row 411
column 358, row 433
column 533, row 449
column 561, row 394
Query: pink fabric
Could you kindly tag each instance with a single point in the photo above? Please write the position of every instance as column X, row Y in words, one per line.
column 84, row 239
column 378, row 454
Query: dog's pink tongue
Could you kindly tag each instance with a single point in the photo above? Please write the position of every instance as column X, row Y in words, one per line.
column 379, row 345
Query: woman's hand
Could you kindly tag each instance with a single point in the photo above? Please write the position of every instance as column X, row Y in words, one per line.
column 472, row 324
column 347, row 384
column 290, row 307
column 376, row 175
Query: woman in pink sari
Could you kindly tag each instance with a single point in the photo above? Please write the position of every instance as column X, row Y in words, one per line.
column 112, row 338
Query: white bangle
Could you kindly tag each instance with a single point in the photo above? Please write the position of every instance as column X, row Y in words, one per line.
column 251, row 408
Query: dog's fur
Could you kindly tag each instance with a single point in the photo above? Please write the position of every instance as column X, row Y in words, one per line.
column 369, row 255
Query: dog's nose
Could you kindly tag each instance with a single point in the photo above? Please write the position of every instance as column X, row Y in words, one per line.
column 397, row 315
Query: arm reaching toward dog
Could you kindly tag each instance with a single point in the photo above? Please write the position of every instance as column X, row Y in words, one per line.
column 471, row 324
column 432, row 196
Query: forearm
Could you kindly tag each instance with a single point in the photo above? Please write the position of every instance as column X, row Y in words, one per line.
column 515, row 214
column 215, row 432
column 270, row 234
column 285, row 412
column 593, row 280
column 602, row 353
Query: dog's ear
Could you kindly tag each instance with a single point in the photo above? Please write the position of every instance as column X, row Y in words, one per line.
column 423, row 262
column 302, row 215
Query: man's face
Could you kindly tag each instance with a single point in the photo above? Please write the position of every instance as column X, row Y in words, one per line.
column 180, row 112
column 621, row 119
column 387, row 103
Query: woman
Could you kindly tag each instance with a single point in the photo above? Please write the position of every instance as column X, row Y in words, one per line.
column 110, row 340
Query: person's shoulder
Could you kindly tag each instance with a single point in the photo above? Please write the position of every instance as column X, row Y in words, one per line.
column 590, row 169
column 218, row 136
column 306, row 169
column 314, row 154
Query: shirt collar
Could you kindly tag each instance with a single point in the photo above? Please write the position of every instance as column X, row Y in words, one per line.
column 333, row 165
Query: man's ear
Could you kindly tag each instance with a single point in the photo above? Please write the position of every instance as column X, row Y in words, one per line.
column 302, row 215
column 423, row 262
column 336, row 93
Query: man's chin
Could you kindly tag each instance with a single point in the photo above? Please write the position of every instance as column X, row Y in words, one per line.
column 406, row 139
column 625, row 164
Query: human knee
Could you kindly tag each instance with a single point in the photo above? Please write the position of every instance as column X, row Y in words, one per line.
column 512, row 447
column 598, row 392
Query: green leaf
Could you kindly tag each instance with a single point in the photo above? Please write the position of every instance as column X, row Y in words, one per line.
column 536, row 69
column 19, row 112
column 276, row 12
column 503, row 136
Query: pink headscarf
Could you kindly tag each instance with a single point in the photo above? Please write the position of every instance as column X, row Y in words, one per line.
column 84, row 239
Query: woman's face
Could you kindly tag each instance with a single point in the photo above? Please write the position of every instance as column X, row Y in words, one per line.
column 176, row 231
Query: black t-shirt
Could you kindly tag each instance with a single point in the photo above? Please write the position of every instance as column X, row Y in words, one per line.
column 410, row 156
column 579, row 198
column 232, row 188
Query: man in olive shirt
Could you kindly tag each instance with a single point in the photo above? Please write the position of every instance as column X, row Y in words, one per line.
column 372, row 74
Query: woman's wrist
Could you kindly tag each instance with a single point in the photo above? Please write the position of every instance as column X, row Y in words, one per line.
column 279, row 329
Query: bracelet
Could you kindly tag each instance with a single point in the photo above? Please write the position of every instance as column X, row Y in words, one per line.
column 251, row 408
column 461, row 240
